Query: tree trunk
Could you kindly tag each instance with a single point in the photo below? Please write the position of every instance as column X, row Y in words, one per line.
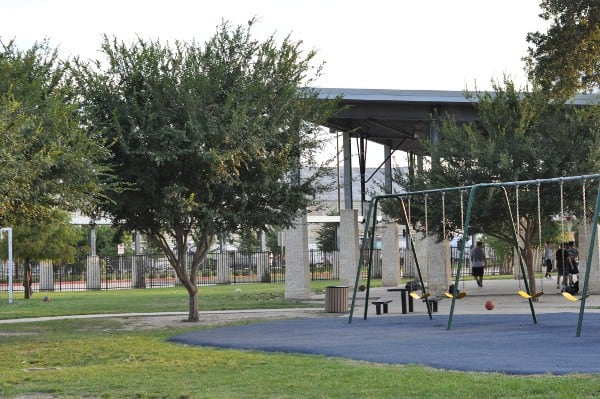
column 193, row 306
column 27, row 281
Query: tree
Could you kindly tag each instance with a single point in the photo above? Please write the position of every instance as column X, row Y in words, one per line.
column 566, row 59
column 48, row 236
column 248, row 241
column 327, row 236
column 49, row 158
column 272, row 236
column 518, row 136
column 208, row 138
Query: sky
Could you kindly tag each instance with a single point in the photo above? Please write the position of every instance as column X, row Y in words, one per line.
column 395, row 44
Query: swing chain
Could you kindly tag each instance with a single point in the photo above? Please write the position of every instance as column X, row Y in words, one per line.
column 444, row 215
column 426, row 221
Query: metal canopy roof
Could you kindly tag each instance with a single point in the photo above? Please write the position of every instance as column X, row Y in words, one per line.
column 398, row 118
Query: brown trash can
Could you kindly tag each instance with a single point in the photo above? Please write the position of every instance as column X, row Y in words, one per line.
column 336, row 299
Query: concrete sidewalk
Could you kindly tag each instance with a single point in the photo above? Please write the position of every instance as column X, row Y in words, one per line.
column 504, row 293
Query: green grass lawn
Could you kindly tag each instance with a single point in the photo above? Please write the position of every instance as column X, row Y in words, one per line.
column 220, row 297
column 101, row 358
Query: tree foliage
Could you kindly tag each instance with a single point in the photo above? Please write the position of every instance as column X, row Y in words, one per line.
column 46, row 235
column 209, row 138
column 517, row 136
column 566, row 58
column 49, row 158
column 327, row 236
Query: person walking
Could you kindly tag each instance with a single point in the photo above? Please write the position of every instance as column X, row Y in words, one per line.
column 562, row 266
column 478, row 263
column 573, row 253
column 547, row 258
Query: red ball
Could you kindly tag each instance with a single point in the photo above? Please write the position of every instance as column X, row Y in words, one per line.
column 489, row 304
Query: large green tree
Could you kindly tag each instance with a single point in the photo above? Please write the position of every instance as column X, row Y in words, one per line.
column 566, row 58
column 49, row 158
column 210, row 138
column 517, row 136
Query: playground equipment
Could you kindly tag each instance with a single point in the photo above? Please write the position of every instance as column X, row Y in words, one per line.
column 473, row 190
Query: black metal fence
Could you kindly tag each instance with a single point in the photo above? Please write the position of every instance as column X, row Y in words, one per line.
column 153, row 270
column 148, row 271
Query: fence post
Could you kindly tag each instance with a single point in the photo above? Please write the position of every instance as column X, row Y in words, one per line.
column 223, row 274
column 137, row 271
column 93, row 272
column 46, row 276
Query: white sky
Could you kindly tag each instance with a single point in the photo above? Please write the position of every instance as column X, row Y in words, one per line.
column 395, row 44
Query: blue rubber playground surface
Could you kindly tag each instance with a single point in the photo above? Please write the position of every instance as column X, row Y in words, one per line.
column 504, row 343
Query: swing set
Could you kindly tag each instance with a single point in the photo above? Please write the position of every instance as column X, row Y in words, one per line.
column 404, row 199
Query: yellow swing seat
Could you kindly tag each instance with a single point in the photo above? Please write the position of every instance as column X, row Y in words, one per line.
column 460, row 295
column 573, row 298
column 416, row 296
column 529, row 296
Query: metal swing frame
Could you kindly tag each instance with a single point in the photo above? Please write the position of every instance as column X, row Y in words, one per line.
column 371, row 219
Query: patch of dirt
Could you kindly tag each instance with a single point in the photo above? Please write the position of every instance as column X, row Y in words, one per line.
column 212, row 319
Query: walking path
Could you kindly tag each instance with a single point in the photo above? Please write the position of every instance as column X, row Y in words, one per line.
column 504, row 293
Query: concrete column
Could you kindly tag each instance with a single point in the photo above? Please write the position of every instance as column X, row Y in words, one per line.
column 349, row 248
column 387, row 155
column 347, row 171
column 297, row 271
column 390, row 253
column 46, row 276
column 92, row 239
column 518, row 275
column 434, row 261
column 137, row 242
column 138, row 278
column 439, row 267
column 583, row 247
column 93, row 273
column 422, row 250
column 262, row 241
column 223, row 275
column 262, row 267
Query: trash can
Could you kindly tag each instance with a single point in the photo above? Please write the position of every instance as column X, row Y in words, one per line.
column 336, row 299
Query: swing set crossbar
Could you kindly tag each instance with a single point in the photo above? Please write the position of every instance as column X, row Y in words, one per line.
column 472, row 189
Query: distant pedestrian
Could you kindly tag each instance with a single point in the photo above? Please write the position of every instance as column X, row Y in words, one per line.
column 562, row 266
column 573, row 261
column 478, row 263
column 547, row 258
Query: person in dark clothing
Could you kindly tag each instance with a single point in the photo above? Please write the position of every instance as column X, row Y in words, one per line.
column 478, row 263
column 547, row 259
column 562, row 266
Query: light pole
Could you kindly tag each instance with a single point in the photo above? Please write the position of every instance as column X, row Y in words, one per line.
column 10, row 262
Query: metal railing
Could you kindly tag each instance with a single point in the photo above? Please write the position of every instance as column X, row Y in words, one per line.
column 154, row 270
column 237, row 267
